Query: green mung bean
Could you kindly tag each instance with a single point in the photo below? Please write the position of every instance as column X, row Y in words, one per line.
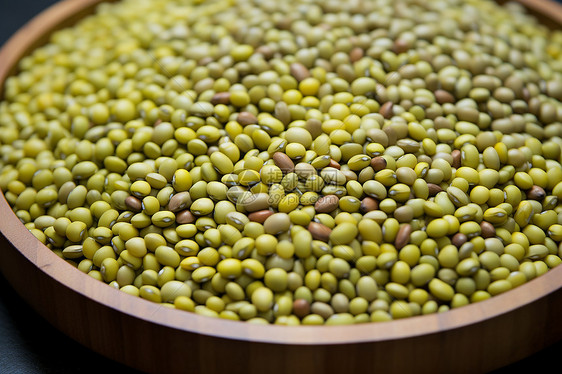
column 353, row 180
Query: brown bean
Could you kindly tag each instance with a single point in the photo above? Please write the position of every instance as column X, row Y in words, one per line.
column 443, row 97
column 456, row 158
column 185, row 217
column 368, row 204
column 326, row 204
column 247, row 118
column 378, row 163
column 356, row 54
column 266, row 51
column 536, row 193
column 260, row 216
column 400, row 46
column 403, row 236
column 334, row 164
column 319, row 231
column 434, row 189
column 179, row 201
column 221, row 98
column 299, row 71
column 487, row 230
column 459, row 239
column 386, row 110
column 284, row 162
column 301, row 308
column 133, row 203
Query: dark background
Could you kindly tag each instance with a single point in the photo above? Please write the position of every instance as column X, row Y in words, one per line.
column 30, row 345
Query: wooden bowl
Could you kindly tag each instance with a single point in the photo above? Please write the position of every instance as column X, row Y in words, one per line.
column 147, row 336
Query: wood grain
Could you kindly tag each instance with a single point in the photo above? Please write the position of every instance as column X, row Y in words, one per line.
column 476, row 338
column 547, row 11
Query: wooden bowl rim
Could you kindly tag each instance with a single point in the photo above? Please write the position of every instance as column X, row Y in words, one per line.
column 49, row 263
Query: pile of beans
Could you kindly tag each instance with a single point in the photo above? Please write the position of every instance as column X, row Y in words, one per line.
column 293, row 162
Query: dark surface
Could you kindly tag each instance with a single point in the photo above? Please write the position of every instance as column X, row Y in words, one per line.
column 30, row 345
